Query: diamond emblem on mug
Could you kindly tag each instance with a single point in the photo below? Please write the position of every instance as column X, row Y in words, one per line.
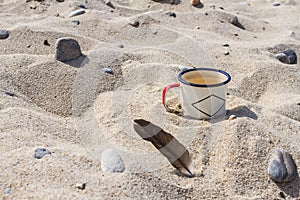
column 205, row 105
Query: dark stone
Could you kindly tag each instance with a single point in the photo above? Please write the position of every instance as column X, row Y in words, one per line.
column 67, row 49
column 4, row 34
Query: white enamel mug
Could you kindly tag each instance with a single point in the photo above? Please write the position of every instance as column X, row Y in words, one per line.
column 202, row 92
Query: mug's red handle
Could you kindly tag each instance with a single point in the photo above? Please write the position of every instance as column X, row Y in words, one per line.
column 164, row 93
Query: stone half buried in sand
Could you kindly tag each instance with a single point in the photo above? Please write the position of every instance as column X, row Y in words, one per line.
column 288, row 57
column 67, row 49
column 282, row 167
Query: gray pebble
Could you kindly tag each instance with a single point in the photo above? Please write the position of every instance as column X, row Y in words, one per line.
column 41, row 152
column 77, row 12
column 67, row 49
column 234, row 20
column 111, row 161
column 276, row 3
column 288, row 57
column 226, row 53
column 121, row 46
column 107, row 70
column 7, row 191
column 134, row 23
column 282, row 167
column 4, row 34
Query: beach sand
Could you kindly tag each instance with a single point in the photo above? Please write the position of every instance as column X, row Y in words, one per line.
column 76, row 110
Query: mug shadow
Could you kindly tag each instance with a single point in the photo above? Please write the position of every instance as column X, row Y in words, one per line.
column 241, row 111
column 291, row 188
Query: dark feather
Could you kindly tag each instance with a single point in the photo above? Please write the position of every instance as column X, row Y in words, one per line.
column 168, row 145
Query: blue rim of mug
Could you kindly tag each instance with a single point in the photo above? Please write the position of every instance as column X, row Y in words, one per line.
column 204, row 85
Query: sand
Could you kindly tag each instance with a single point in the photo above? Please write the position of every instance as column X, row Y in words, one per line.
column 76, row 110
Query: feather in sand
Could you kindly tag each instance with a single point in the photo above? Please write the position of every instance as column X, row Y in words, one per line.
column 168, row 145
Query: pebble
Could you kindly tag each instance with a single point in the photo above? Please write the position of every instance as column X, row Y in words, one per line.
column 77, row 12
column 46, row 43
column 195, row 2
column 226, row 53
column 109, row 3
column 4, row 34
column 282, row 167
column 134, row 23
column 121, row 45
column 107, row 70
column 244, row 3
column 67, row 49
column 41, row 152
column 234, row 20
column 7, row 191
column 171, row 14
column 288, row 57
column 276, row 4
column 111, row 161
column 60, row 0
column 81, row 186
column 226, row 45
